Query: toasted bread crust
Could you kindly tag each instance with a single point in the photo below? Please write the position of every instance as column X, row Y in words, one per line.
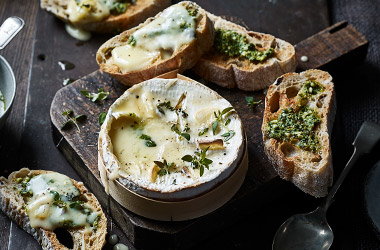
column 134, row 15
column 185, row 58
column 242, row 74
column 311, row 172
column 12, row 204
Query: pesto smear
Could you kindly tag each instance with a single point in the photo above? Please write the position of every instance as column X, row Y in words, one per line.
column 297, row 126
column 234, row 44
column 310, row 88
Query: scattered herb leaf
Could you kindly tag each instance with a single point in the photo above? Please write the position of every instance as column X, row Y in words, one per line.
column 102, row 118
column 251, row 101
column 72, row 120
column 198, row 160
column 228, row 135
column 148, row 140
column 182, row 134
column 67, row 81
column 95, row 97
column 203, row 131
column 165, row 167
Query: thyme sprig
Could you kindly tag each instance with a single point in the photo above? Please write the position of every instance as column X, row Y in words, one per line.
column 183, row 134
column 198, row 160
column 221, row 118
column 251, row 101
column 72, row 119
column 165, row 167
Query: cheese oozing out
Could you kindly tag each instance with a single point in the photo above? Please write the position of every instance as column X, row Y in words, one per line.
column 144, row 110
column 87, row 10
column 51, row 203
column 157, row 40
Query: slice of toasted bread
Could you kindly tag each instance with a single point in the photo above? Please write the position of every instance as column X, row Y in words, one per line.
column 134, row 15
column 235, row 72
column 307, row 165
column 181, row 59
column 14, row 206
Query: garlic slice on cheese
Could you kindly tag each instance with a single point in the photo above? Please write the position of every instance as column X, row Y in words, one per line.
column 149, row 150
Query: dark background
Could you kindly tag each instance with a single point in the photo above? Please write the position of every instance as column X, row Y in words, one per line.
column 26, row 140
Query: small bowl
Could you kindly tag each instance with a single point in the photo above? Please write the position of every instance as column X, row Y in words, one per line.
column 7, row 88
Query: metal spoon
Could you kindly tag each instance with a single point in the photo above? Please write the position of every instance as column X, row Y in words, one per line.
column 311, row 231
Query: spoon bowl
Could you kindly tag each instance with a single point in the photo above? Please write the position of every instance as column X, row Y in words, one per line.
column 312, row 229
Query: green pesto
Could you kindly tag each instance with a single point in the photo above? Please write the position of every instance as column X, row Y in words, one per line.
column 310, row 88
column 296, row 127
column 120, row 6
column 233, row 44
column 192, row 10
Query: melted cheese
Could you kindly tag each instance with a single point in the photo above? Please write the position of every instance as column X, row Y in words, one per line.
column 135, row 161
column 87, row 10
column 79, row 34
column 41, row 209
column 157, row 40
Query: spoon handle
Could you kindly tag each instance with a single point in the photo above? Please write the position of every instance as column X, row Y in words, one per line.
column 10, row 27
column 366, row 139
column 354, row 157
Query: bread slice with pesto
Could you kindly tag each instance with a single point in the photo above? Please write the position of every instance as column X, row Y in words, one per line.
column 244, row 59
column 44, row 203
column 298, row 117
column 174, row 39
column 104, row 16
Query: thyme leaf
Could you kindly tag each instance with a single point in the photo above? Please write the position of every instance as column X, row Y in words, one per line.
column 148, row 140
column 72, row 120
column 95, row 97
column 198, row 160
column 164, row 166
column 102, row 118
column 228, row 135
column 251, row 101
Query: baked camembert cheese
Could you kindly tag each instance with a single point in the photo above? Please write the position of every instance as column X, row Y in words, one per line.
column 167, row 135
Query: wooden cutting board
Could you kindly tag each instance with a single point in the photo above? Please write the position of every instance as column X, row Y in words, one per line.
column 80, row 148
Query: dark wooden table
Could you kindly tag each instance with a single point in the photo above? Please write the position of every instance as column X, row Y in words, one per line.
column 26, row 140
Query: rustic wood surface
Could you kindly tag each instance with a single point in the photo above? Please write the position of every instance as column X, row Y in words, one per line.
column 26, row 140
column 340, row 43
column 80, row 149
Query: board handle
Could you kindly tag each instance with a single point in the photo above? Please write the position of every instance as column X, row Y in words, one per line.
column 339, row 42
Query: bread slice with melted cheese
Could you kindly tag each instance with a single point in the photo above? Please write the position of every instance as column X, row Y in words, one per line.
column 174, row 39
column 239, row 72
column 298, row 117
column 19, row 208
column 92, row 15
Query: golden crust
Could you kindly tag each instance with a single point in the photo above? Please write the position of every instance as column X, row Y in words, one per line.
column 185, row 58
column 242, row 74
column 311, row 172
